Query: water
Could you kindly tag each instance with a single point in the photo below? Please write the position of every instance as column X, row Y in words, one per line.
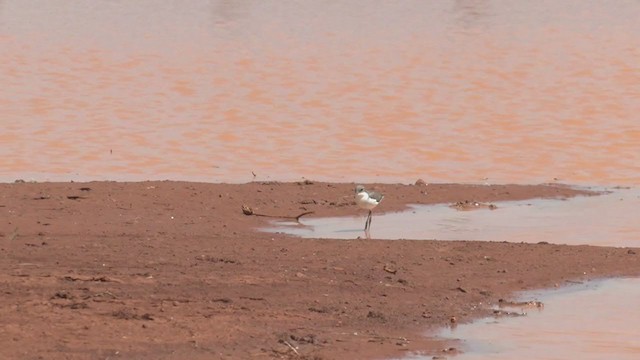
column 448, row 91
column 607, row 220
column 455, row 91
column 596, row 320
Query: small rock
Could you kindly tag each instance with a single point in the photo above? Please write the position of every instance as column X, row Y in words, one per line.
column 375, row 315
column 389, row 269
column 631, row 252
column 61, row 295
column 420, row 182
column 247, row 210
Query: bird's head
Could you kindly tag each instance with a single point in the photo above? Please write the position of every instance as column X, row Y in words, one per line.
column 359, row 189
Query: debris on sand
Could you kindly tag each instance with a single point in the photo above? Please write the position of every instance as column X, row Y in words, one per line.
column 467, row 205
column 126, row 314
column 389, row 269
column 531, row 303
column 247, row 210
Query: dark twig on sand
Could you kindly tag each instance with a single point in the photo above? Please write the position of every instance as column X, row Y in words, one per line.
column 249, row 211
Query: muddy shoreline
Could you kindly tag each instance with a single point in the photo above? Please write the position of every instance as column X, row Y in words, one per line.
column 172, row 270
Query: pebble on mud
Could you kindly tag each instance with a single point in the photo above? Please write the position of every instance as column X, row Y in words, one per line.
column 376, row 315
column 389, row 269
column 247, row 210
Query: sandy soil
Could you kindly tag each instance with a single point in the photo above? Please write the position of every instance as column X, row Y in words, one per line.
column 174, row 270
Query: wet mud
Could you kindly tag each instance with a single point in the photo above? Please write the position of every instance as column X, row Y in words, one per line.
column 177, row 270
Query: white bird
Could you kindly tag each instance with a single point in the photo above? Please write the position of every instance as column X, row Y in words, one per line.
column 367, row 200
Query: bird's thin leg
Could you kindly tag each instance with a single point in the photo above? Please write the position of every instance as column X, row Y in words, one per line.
column 366, row 223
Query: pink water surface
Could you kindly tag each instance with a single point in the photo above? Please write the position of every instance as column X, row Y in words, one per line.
column 455, row 91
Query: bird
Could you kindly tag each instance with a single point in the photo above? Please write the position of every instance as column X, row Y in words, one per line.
column 367, row 200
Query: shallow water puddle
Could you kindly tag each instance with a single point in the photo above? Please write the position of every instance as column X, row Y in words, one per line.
column 595, row 320
column 606, row 220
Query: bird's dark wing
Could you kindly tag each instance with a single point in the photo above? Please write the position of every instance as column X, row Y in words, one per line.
column 375, row 195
